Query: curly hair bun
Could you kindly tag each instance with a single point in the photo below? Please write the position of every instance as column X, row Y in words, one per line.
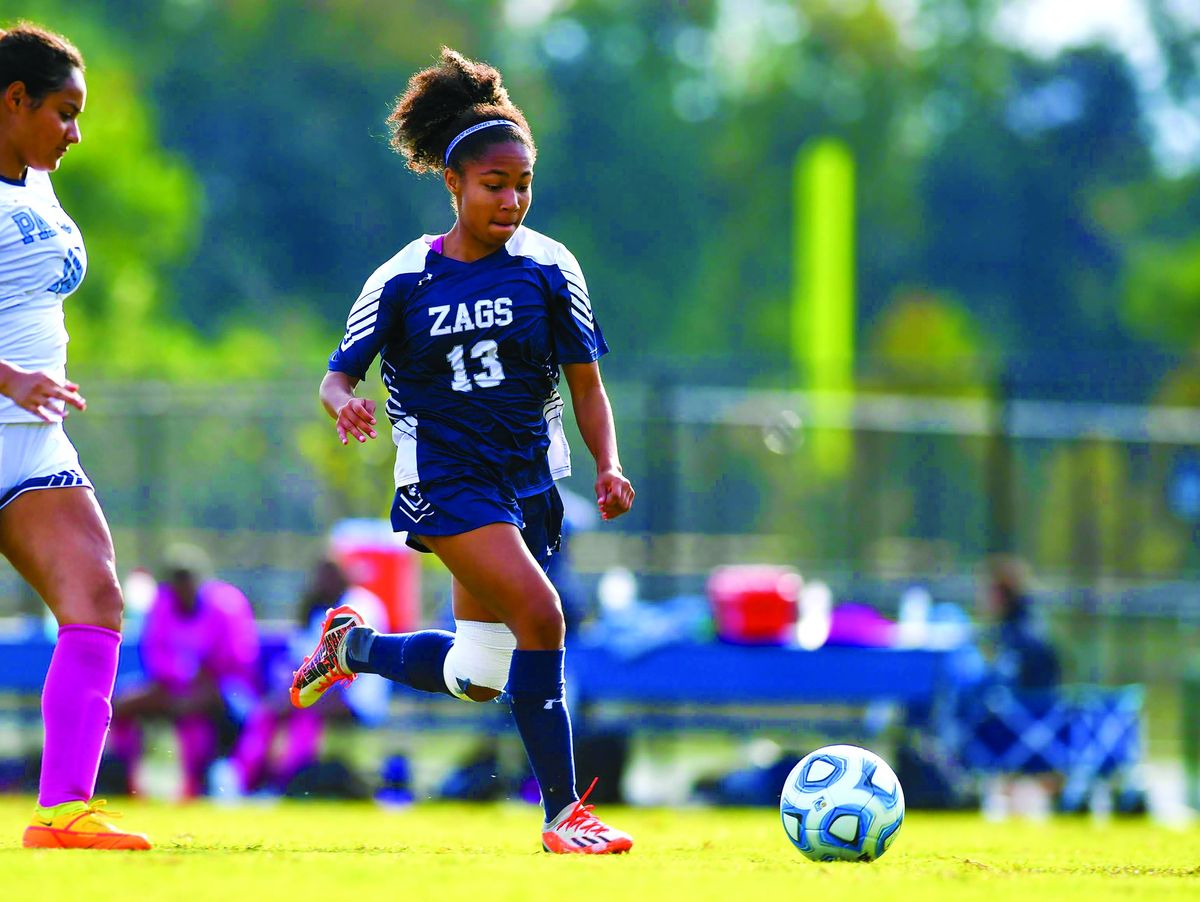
column 441, row 101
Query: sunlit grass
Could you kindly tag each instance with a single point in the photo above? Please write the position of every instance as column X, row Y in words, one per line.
column 488, row 852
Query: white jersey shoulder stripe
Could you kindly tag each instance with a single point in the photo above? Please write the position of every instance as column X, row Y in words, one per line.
column 410, row 258
column 360, row 322
column 540, row 248
column 548, row 252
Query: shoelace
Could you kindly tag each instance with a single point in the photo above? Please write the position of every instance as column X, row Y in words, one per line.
column 97, row 806
column 581, row 817
column 321, row 671
column 317, row 672
column 333, row 665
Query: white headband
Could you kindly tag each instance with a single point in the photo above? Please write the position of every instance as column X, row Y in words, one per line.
column 479, row 126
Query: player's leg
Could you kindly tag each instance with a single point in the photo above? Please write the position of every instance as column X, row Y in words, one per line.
column 478, row 663
column 58, row 540
column 501, row 581
column 429, row 660
column 471, row 663
column 495, row 566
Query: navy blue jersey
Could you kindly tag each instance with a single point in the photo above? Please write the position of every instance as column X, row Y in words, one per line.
column 469, row 354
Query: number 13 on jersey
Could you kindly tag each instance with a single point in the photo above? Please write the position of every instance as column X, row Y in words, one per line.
column 488, row 354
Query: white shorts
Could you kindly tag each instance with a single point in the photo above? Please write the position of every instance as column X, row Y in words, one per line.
column 37, row 456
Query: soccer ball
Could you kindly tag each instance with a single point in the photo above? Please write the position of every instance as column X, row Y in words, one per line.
column 842, row 803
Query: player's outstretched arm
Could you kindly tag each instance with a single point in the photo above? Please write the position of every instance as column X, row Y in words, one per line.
column 593, row 413
column 354, row 416
column 36, row 391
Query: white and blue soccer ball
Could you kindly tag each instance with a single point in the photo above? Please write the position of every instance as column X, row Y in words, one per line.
column 842, row 803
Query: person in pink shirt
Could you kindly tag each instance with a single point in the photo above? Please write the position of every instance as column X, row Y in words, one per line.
column 200, row 658
column 278, row 741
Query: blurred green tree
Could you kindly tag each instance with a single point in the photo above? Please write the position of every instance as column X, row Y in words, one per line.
column 667, row 133
column 138, row 205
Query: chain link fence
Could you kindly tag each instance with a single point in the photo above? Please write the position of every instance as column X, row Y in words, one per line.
column 870, row 493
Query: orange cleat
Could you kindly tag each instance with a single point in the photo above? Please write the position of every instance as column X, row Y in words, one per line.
column 326, row 666
column 79, row 825
column 577, row 831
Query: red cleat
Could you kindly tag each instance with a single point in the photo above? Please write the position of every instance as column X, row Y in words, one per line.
column 577, row 831
column 326, row 666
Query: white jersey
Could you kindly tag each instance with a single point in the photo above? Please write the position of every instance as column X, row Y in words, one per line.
column 42, row 260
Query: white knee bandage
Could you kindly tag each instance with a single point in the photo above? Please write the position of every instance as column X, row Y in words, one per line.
column 480, row 656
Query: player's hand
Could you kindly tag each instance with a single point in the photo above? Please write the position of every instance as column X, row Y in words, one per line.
column 356, row 418
column 614, row 494
column 40, row 393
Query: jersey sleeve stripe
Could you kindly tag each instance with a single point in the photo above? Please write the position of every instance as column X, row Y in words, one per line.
column 368, row 298
column 582, row 312
column 576, row 283
column 356, row 317
column 590, row 324
column 353, row 338
column 365, row 327
column 582, row 302
column 581, row 305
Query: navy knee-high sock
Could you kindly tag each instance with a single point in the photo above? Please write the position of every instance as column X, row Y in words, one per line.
column 535, row 691
column 414, row 659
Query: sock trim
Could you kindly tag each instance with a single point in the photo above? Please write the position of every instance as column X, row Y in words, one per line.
column 540, row 672
column 88, row 628
column 358, row 639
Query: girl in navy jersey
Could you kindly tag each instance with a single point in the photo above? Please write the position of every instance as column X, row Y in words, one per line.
column 57, row 540
column 472, row 329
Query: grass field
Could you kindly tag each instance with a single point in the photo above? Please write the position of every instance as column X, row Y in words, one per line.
column 343, row 851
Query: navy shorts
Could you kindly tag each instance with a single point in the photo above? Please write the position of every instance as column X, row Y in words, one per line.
column 447, row 507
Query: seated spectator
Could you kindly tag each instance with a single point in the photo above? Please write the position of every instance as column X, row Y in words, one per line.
column 200, row 660
column 1023, row 658
column 1016, row 723
column 262, row 763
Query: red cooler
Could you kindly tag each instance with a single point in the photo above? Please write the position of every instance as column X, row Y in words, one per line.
column 377, row 559
column 755, row 604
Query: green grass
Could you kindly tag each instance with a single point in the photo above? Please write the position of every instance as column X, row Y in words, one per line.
column 448, row 852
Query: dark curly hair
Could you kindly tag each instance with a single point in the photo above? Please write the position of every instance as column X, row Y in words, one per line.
column 445, row 99
column 41, row 59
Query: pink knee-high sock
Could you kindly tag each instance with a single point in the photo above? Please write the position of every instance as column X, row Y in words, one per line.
column 76, row 709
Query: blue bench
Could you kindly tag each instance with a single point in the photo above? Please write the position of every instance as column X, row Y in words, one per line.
column 730, row 687
column 679, row 686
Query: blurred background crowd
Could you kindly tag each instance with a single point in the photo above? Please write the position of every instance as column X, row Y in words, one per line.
column 1012, row 389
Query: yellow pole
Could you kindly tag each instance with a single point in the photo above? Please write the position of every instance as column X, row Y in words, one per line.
column 823, row 303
